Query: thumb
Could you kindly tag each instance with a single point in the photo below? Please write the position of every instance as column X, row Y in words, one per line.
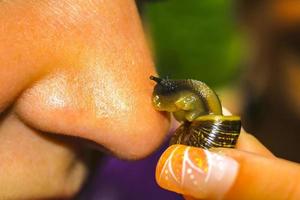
column 264, row 177
column 231, row 174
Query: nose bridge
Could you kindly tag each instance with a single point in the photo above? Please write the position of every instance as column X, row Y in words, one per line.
column 39, row 36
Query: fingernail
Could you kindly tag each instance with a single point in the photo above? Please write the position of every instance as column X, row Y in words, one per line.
column 196, row 172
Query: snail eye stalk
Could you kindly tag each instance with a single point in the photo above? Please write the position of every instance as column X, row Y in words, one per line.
column 156, row 79
column 164, row 86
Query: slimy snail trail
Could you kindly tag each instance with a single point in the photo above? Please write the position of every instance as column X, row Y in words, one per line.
column 199, row 110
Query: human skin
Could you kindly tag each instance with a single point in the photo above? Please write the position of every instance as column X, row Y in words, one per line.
column 71, row 68
column 79, row 69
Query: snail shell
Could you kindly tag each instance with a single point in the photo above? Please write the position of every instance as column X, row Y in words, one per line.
column 199, row 109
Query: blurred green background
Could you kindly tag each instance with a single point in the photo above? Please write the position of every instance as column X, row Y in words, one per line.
column 194, row 39
column 201, row 39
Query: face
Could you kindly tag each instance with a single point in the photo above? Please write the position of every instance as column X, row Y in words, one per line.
column 71, row 69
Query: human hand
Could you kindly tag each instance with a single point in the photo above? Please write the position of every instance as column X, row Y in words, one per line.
column 250, row 171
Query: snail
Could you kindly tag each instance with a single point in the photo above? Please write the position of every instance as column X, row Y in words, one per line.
column 199, row 110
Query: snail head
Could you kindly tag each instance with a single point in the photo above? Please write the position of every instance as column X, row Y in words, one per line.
column 163, row 94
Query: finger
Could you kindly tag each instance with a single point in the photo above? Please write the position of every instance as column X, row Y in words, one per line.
column 249, row 143
column 195, row 172
column 202, row 174
column 261, row 177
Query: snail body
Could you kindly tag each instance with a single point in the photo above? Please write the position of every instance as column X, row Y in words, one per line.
column 199, row 110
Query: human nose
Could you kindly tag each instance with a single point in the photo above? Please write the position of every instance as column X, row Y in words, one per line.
column 95, row 83
column 103, row 105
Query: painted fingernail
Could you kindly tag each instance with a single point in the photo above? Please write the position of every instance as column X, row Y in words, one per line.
column 196, row 172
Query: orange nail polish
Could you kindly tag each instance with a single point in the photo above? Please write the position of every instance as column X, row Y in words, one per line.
column 195, row 172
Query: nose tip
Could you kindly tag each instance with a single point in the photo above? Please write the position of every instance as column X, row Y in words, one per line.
column 121, row 119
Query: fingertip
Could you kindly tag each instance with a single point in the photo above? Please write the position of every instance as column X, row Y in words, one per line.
column 195, row 172
column 261, row 177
